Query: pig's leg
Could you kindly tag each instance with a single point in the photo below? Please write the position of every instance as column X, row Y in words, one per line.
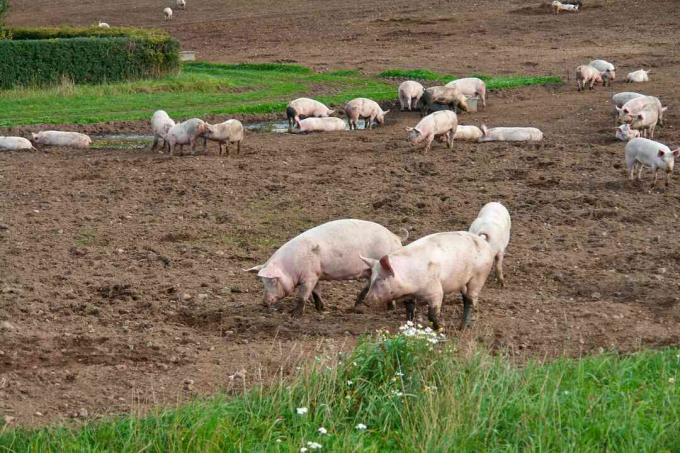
column 651, row 131
column 449, row 139
column 318, row 303
column 238, row 147
column 362, row 296
column 668, row 179
column 468, row 306
column 155, row 142
column 656, row 173
column 434, row 303
column 368, row 122
column 226, row 148
column 499, row 269
column 410, row 305
column 428, row 143
column 205, row 144
column 640, row 168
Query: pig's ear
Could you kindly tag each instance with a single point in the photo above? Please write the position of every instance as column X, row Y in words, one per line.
column 370, row 262
column 661, row 153
column 676, row 152
column 619, row 109
column 254, row 269
column 663, row 109
column 330, row 112
column 386, row 112
column 385, row 265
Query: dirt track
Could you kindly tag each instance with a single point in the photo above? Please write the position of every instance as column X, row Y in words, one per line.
column 121, row 270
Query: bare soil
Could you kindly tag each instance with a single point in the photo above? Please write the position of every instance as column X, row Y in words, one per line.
column 121, row 283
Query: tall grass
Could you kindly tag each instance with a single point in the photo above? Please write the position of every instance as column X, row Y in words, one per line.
column 413, row 395
column 492, row 82
column 200, row 89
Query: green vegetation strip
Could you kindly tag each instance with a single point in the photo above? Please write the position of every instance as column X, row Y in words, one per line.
column 407, row 392
column 492, row 82
column 200, row 89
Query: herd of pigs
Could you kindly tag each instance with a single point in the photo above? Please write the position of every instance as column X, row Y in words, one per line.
column 428, row 269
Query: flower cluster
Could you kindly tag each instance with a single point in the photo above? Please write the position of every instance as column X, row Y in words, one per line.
column 417, row 331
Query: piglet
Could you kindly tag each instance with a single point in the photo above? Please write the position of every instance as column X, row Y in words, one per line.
column 160, row 126
column 430, row 268
column 493, row 224
column 410, row 93
column 330, row 251
column 587, row 75
column 625, row 133
column 443, row 123
column 230, row 131
column 604, row 66
column 638, row 76
column 187, row 133
column 642, row 152
column 366, row 109
column 15, row 144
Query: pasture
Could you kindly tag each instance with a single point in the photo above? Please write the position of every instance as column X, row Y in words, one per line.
column 121, row 269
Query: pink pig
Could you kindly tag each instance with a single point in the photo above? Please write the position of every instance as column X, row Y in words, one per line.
column 367, row 109
column 304, row 108
column 442, row 123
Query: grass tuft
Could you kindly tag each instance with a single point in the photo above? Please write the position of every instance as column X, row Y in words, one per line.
column 413, row 393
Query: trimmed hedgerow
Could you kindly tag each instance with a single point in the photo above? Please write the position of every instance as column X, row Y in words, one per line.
column 47, row 56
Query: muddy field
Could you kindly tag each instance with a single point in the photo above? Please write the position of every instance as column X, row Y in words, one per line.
column 120, row 270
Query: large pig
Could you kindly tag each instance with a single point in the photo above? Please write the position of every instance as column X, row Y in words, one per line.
column 619, row 99
column 330, row 251
column 470, row 86
column 645, row 120
column 587, row 75
column 410, row 93
column 304, row 108
column 632, row 107
column 230, row 131
column 187, row 133
column 160, row 125
column 638, row 76
column 625, row 133
column 15, row 144
column 493, row 224
column 326, row 124
column 511, row 134
column 430, row 268
column 450, row 96
column 468, row 133
column 444, row 123
column 643, row 152
column 59, row 138
column 604, row 66
column 366, row 109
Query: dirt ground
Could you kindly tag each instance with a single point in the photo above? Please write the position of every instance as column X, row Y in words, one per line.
column 121, row 283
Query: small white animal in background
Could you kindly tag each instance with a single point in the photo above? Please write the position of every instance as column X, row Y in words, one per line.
column 625, row 133
column 643, row 152
column 15, row 144
column 181, row 4
column 168, row 13
column 103, row 25
column 638, row 76
column 558, row 6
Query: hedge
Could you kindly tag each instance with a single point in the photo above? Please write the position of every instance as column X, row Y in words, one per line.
column 46, row 56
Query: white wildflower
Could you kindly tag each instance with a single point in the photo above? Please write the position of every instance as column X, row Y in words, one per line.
column 399, row 373
column 323, row 430
column 361, row 427
column 397, row 393
column 314, row 445
column 303, row 449
column 278, row 441
column 350, row 383
column 671, row 380
column 301, row 410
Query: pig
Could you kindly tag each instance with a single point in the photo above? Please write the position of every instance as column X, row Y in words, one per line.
column 470, row 87
column 559, row 6
column 305, row 107
column 467, row 133
column 59, row 138
column 410, row 93
column 586, row 74
column 331, row 251
column 630, row 108
column 450, row 96
column 638, row 76
column 187, row 133
column 101, row 24
column 604, row 67
column 643, row 152
column 167, row 12
column 493, row 224
column 430, row 268
column 160, row 125
column 624, row 132
column 15, row 144
column 181, row 4
column 645, row 120
column 230, row 131
column 435, row 124
column 367, row 109
column 511, row 134
column 325, row 124
column 619, row 99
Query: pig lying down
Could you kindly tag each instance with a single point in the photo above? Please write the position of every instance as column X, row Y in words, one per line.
column 559, row 6
column 434, row 125
column 642, row 152
column 366, row 109
column 468, row 133
column 511, row 134
column 410, row 93
column 16, row 144
column 493, row 224
column 330, row 251
column 304, row 108
column 329, row 124
column 59, row 138
column 430, row 268
column 638, row 76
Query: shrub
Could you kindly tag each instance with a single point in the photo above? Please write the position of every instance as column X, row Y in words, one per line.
column 46, row 56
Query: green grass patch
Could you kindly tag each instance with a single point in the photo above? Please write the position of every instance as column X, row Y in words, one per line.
column 200, row 89
column 413, row 395
column 492, row 82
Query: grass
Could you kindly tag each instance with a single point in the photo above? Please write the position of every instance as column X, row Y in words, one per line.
column 203, row 89
column 413, row 395
column 492, row 82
